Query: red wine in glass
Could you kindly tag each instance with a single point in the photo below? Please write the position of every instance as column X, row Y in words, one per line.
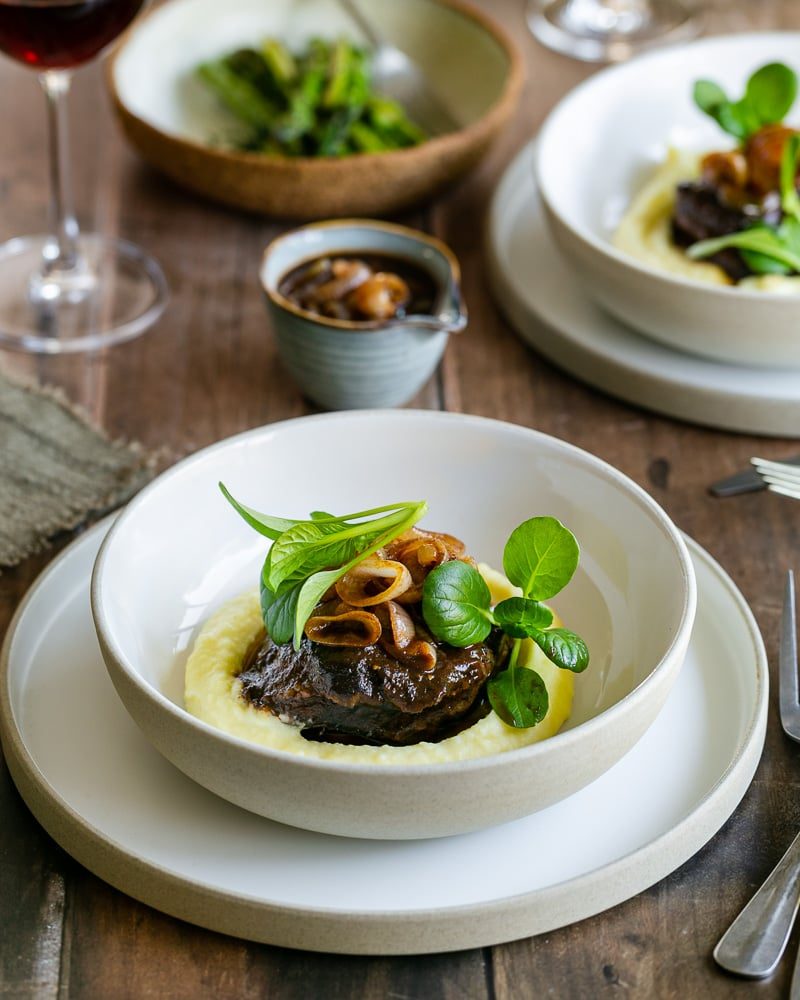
column 70, row 291
column 58, row 34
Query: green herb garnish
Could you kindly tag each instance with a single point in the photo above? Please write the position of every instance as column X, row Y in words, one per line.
column 309, row 556
column 769, row 94
column 767, row 249
column 540, row 558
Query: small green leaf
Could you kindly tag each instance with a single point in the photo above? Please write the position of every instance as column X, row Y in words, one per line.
column 760, row 239
column 562, row 647
column 278, row 612
column 759, row 263
column 519, row 616
column 770, row 92
column 540, row 557
column 790, row 202
column 456, row 604
column 519, row 696
column 708, row 95
column 312, row 589
column 272, row 527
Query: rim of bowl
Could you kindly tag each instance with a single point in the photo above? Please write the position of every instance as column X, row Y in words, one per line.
column 585, row 235
column 512, row 86
column 563, row 738
column 279, row 300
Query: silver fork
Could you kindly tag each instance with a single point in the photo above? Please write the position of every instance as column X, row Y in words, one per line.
column 779, row 477
column 754, row 943
column 401, row 78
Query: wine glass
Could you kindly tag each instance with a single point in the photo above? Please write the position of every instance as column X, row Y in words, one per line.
column 610, row 30
column 69, row 291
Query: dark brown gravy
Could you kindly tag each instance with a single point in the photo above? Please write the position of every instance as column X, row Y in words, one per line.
column 361, row 287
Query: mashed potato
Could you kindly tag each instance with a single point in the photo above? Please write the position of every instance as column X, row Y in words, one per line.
column 646, row 232
column 213, row 694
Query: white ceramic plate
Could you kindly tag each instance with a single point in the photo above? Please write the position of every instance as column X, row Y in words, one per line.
column 116, row 805
column 592, row 160
column 547, row 304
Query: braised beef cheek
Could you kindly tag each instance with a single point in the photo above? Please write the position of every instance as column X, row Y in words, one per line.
column 340, row 694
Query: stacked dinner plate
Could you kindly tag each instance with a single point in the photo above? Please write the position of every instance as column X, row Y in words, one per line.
column 722, row 355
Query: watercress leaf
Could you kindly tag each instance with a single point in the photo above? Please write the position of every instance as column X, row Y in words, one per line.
column 563, row 648
column 272, row 527
column 770, row 92
column 540, row 557
column 517, row 616
column 734, row 119
column 456, row 604
column 708, row 95
column 519, row 696
column 278, row 612
column 321, row 515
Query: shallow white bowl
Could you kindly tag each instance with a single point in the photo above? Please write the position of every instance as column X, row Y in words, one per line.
column 178, row 552
column 595, row 151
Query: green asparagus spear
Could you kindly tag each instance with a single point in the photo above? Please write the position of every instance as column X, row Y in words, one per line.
column 238, row 94
column 280, row 61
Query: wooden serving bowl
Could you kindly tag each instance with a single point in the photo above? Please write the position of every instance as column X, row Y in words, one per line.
column 171, row 119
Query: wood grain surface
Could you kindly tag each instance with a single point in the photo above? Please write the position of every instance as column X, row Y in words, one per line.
column 210, row 369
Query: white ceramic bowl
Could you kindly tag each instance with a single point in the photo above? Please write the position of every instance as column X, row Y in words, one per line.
column 178, row 551
column 595, row 151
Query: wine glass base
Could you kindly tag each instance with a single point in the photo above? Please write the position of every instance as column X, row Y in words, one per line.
column 114, row 293
column 606, row 36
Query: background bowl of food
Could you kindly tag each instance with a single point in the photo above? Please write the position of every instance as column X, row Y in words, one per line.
column 627, row 194
column 291, row 127
column 361, row 310
column 179, row 555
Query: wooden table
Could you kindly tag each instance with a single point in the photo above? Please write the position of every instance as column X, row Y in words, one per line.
column 210, row 369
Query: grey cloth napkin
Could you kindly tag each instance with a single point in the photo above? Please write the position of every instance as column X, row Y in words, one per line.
column 56, row 470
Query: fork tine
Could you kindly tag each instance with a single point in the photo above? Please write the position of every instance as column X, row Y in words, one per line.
column 780, row 470
column 792, row 492
column 789, row 694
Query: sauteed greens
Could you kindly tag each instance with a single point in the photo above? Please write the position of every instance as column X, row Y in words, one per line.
column 320, row 102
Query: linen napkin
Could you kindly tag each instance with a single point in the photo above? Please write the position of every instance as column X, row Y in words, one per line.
column 56, row 470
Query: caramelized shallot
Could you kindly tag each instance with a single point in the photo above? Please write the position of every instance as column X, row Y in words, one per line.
column 349, row 628
column 398, row 627
column 420, row 654
column 373, row 581
column 380, row 296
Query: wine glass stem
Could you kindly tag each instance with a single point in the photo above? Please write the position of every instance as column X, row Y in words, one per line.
column 62, row 254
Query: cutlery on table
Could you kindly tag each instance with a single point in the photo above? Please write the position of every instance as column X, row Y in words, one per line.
column 754, row 943
column 746, row 481
column 779, row 477
column 400, row 78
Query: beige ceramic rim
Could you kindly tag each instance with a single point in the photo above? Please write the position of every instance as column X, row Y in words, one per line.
column 386, row 932
column 274, row 294
column 475, row 133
